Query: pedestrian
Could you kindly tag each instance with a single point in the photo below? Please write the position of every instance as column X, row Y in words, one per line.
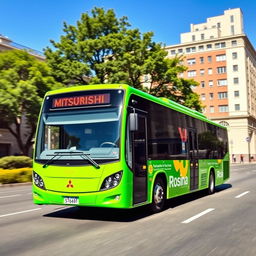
column 241, row 158
column 234, row 158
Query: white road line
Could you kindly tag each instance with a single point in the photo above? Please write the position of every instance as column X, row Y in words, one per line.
column 240, row 195
column 15, row 213
column 198, row 216
column 10, row 196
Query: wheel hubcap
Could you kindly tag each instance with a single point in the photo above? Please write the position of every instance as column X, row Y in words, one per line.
column 158, row 194
column 211, row 184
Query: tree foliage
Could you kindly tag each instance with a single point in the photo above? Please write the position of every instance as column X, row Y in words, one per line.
column 104, row 49
column 23, row 82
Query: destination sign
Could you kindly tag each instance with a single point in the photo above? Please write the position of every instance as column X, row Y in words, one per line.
column 79, row 101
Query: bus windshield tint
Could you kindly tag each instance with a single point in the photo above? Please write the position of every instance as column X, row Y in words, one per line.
column 94, row 132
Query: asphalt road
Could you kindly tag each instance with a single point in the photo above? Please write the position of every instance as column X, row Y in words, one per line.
column 221, row 224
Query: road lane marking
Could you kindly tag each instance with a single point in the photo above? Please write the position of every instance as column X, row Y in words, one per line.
column 198, row 216
column 242, row 194
column 15, row 213
column 10, row 196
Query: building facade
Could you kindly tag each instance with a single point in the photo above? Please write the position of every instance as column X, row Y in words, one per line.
column 8, row 144
column 220, row 57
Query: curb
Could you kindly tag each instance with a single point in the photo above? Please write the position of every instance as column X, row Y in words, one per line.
column 241, row 164
column 15, row 184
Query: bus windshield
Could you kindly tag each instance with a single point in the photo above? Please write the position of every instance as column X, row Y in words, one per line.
column 92, row 131
column 96, row 134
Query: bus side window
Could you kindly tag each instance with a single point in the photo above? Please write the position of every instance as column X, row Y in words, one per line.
column 128, row 145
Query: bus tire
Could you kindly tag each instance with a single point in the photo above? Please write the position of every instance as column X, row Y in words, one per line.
column 211, row 187
column 158, row 195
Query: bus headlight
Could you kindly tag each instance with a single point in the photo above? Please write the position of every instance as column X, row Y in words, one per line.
column 111, row 181
column 38, row 181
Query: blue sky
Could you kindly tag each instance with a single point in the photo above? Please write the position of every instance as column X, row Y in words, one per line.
column 34, row 22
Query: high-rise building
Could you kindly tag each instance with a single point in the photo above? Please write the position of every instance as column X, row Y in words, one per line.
column 220, row 57
column 8, row 144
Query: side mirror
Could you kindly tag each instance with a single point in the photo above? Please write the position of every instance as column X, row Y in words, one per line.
column 133, row 121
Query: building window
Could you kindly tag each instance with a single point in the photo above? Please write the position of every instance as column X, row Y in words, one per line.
column 209, row 71
column 218, row 25
column 221, row 57
column 237, row 107
column 223, row 108
column 190, row 49
column 211, row 83
column 173, row 52
column 235, row 68
column 222, row 95
column 146, row 78
column 211, row 95
column 234, row 43
column 220, row 45
column 180, row 50
column 222, row 82
column 202, row 36
column 231, row 18
column 234, row 55
column 201, row 48
column 191, row 61
column 224, row 123
column 232, row 30
column 193, row 38
column 201, row 60
column 201, row 72
column 202, row 84
column 202, row 96
column 209, row 58
column 221, row 70
column 211, row 109
column 236, row 94
column 191, row 73
column 236, row 80
column 209, row 46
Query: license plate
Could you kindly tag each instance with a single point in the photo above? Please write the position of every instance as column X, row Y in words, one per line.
column 71, row 200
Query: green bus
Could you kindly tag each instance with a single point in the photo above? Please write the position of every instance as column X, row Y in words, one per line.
column 116, row 146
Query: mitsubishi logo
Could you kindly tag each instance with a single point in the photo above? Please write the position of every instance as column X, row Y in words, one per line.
column 70, row 185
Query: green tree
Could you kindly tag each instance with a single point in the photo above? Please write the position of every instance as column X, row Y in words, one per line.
column 103, row 49
column 23, row 82
column 82, row 53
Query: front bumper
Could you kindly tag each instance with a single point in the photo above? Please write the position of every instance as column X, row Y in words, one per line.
column 112, row 198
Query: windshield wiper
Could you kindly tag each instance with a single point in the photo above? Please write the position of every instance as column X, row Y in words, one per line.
column 51, row 159
column 79, row 153
column 87, row 157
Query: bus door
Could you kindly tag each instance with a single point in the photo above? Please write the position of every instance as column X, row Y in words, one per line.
column 193, row 157
column 139, row 160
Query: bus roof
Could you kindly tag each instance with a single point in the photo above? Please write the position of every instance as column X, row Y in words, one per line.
column 163, row 101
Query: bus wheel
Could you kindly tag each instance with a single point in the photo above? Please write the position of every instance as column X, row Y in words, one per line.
column 211, row 187
column 159, row 195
